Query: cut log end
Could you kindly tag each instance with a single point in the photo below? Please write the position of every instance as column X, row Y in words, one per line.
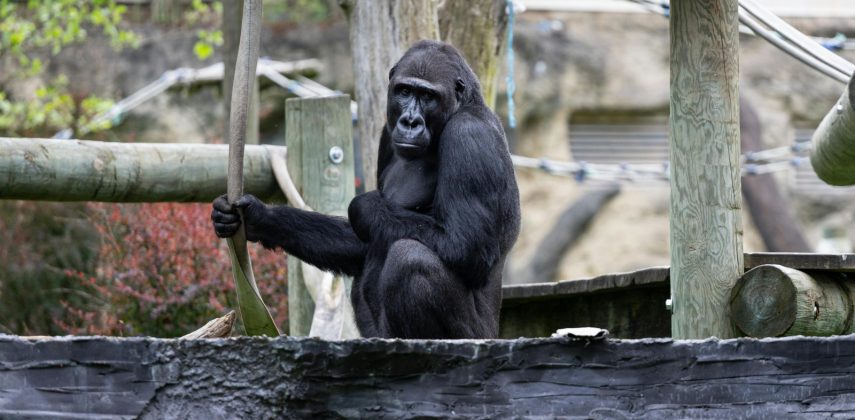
column 763, row 302
column 773, row 300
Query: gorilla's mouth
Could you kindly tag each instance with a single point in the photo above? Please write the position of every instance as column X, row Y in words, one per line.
column 407, row 145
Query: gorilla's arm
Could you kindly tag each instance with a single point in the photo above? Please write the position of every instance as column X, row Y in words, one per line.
column 465, row 226
column 324, row 241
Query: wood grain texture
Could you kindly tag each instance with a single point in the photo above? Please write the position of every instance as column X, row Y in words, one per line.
column 80, row 170
column 772, row 300
column 380, row 32
column 313, row 126
column 478, row 28
column 833, row 153
column 706, row 201
column 287, row 377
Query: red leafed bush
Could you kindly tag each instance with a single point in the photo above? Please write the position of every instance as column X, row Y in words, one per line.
column 162, row 272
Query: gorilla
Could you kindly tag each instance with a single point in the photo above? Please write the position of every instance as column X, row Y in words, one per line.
column 427, row 248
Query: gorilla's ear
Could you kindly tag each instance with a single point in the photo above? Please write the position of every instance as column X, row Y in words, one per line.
column 459, row 87
column 392, row 71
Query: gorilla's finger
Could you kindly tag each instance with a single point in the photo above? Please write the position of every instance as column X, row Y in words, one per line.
column 226, row 230
column 246, row 200
column 222, row 204
column 220, row 217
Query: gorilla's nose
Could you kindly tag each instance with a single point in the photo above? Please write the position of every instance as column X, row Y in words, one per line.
column 411, row 125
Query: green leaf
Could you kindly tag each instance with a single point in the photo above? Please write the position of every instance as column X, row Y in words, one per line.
column 203, row 50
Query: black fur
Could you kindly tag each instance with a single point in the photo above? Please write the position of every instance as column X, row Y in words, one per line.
column 427, row 248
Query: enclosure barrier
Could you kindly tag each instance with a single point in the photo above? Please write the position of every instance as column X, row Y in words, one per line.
column 79, row 170
column 98, row 377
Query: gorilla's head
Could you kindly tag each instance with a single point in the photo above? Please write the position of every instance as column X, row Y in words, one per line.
column 427, row 86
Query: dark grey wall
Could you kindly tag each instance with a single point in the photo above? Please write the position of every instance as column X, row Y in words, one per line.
column 306, row 378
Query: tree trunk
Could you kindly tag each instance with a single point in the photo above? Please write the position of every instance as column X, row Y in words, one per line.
column 478, row 28
column 380, row 32
column 772, row 214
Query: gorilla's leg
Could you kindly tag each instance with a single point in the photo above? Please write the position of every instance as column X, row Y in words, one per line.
column 424, row 299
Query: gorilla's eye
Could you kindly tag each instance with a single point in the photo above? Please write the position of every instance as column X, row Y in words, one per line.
column 405, row 91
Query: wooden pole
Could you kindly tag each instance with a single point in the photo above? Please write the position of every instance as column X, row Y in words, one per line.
column 773, row 300
column 833, row 152
column 318, row 133
column 81, row 170
column 706, row 198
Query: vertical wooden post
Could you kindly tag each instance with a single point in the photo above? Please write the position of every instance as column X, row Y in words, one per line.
column 313, row 127
column 706, row 198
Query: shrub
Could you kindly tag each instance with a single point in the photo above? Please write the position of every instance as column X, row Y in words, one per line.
column 162, row 272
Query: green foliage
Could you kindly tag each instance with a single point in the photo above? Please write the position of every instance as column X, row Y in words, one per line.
column 38, row 29
column 206, row 14
column 41, row 241
column 52, row 108
column 52, row 25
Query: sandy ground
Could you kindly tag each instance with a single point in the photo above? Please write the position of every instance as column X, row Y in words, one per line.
column 630, row 233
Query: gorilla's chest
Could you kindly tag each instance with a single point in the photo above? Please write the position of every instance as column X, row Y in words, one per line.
column 410, row 184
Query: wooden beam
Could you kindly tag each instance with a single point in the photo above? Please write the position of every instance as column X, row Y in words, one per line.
column 833, row 151
column 80, row 170
column 706, row 198
column 773, row 300
column 313, row 127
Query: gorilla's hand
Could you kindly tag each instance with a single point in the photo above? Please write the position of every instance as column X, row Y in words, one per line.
column 227, row 221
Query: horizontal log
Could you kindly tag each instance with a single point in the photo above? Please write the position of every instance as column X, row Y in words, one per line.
column 802, row 260
column 80, row 170
column 773, row 300
column 833, row 144
column 96, row 377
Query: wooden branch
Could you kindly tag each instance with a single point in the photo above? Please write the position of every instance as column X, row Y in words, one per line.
column 216, row 328
column 770, row 211
column 773, row 300
column 79, row 170
column 254, row 313
column 706, row 197
column 833, row 151
column 567, row 229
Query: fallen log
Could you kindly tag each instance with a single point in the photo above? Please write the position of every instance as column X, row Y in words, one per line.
column 773, row 300
column 80, row 170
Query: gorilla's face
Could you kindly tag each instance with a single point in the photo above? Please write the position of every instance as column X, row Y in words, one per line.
column 422, row 97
